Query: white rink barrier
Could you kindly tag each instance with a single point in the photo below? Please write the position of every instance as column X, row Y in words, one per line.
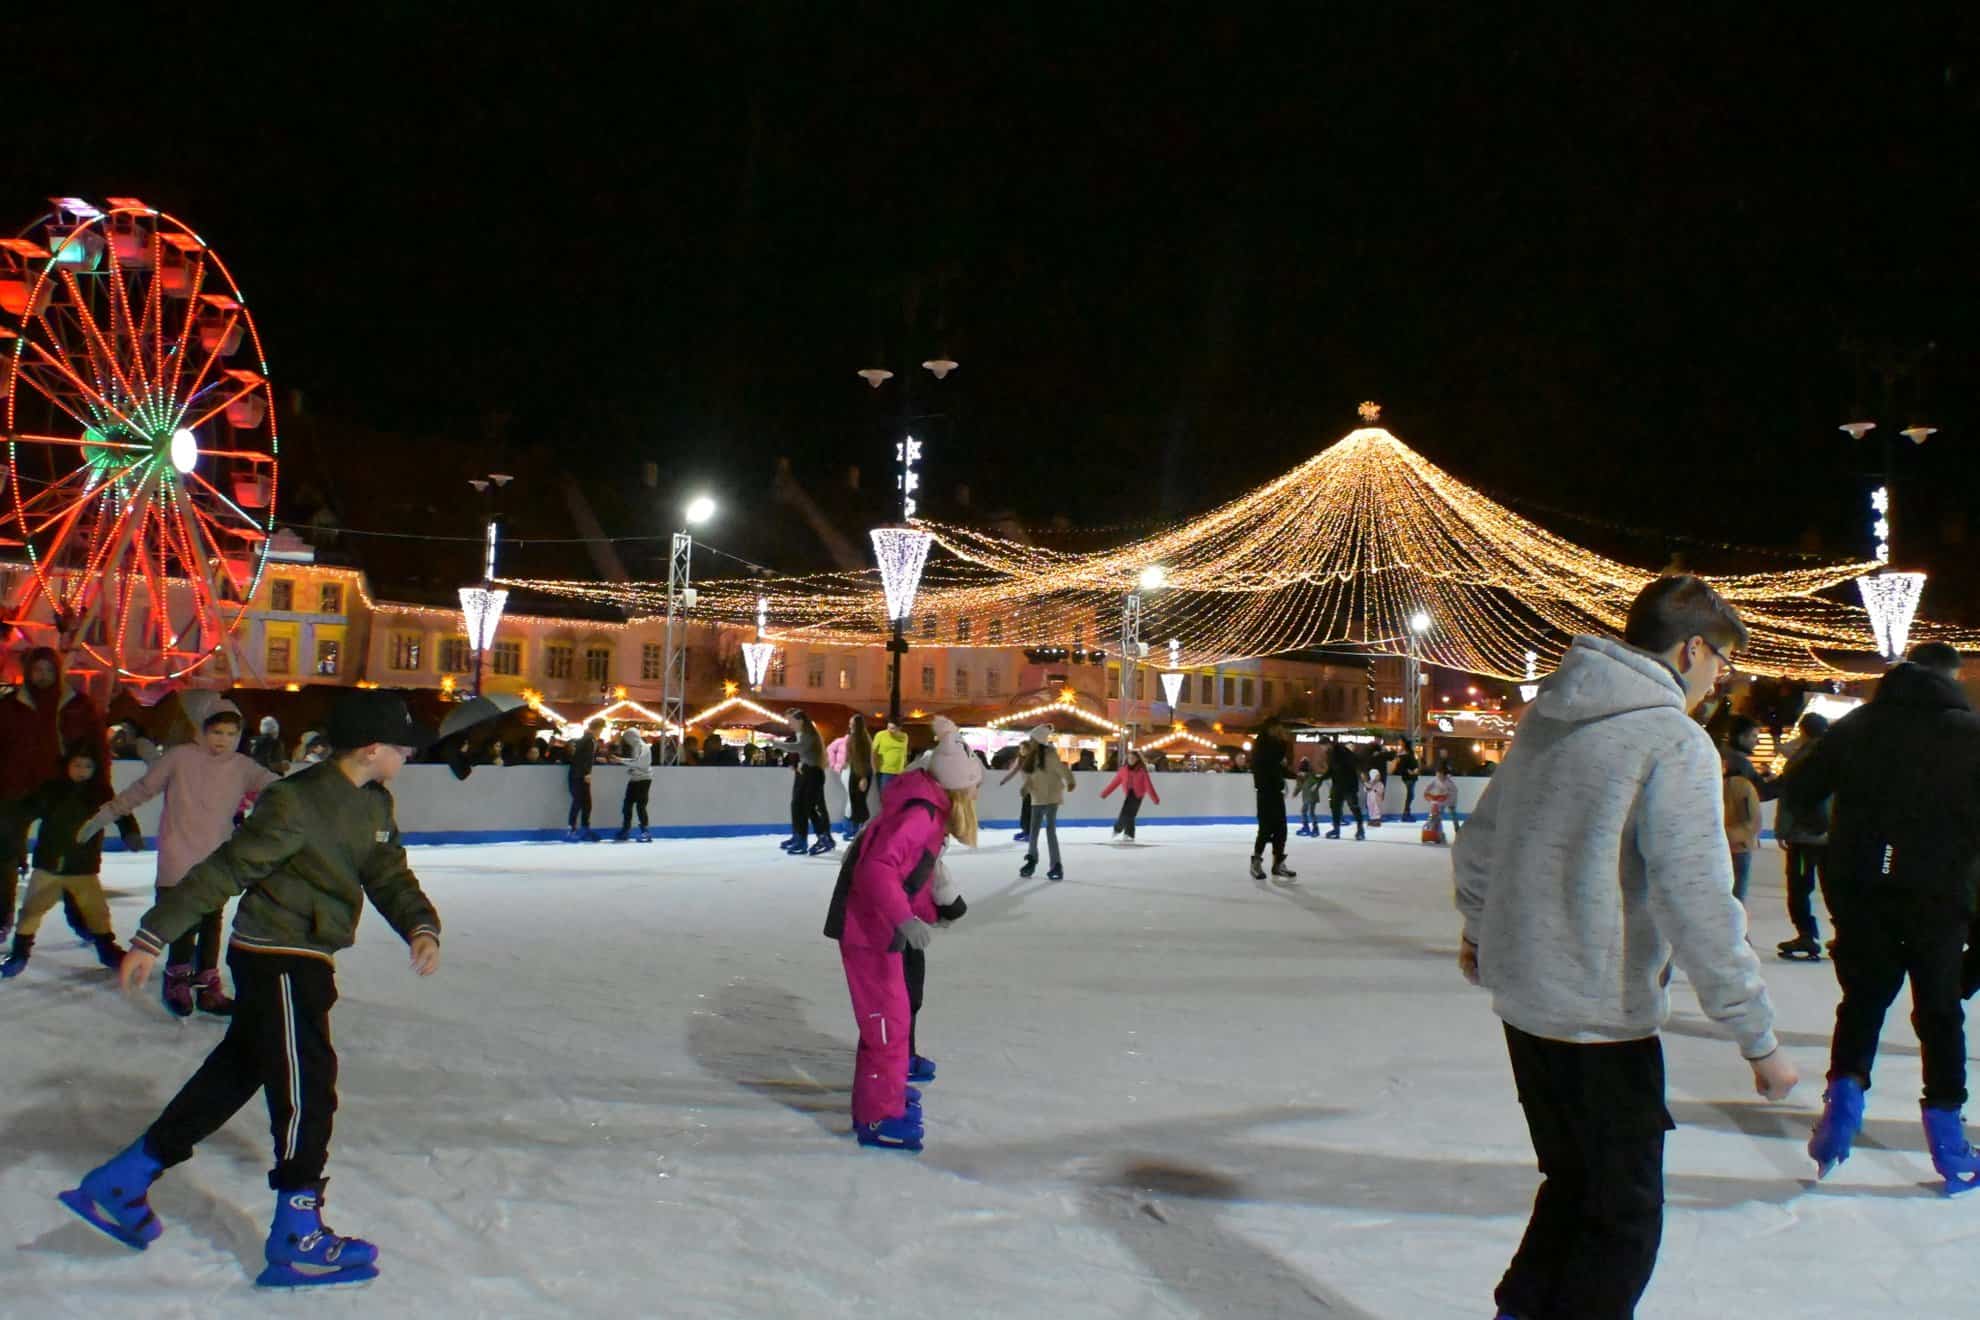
column 508, row 804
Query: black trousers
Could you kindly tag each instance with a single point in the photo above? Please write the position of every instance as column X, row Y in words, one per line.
column 278, row 1042
column 1348, row 795
column 1271, row 824
column 638, row 791
column 1409, row 796
column 1024, row 813
column 1124, row 823
column 580, row 804
column 856, row 809
column 13, row 851
column 204, row 940
column 914, row 970
column 808, row 803
column 1804, row 876
column 1883, row 935
column 1596, row 1114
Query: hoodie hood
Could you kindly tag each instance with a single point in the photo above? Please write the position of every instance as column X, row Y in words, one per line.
column 1599, row 678
column 919, row 785
column 1915, row 685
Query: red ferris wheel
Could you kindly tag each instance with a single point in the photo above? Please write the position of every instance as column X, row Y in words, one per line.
column 141, row 443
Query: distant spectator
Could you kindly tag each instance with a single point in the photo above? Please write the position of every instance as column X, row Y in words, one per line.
column 266, row 746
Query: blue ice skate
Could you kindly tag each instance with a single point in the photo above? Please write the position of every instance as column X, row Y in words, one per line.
column 1957, row 1162
column 113, row 1197
column 1835, row 1132
column 302, row 1253
column 903, row 1133
column 823, row 846
column 920, row 1069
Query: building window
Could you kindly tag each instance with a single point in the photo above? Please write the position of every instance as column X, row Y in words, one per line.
column 649, row 661
column 814, row 673
column 1267, row 689
column 1182, row 690
column 1230, row 692
column 962, row 631
column 597, row 664
column 456, row 656
column 327, row 654
column 962, row 682
column 928, row 680
column 405, row 651
column 506, row 658
column 996, row 632
column 993, row 680
column 331, row 598
column 281, row 596
column 848, row 675
column 1245, row 691
column 927, row 627
column 557, row 658
column 780, row 672
column 281, row 655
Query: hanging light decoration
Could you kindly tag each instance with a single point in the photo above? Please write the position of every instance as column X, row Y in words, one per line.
column 1891, row 600
column 1172, row 687
column 481, row 611
column 1531, row 687
column 902, row 553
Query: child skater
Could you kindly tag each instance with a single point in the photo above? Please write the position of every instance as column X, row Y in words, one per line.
column 317, row 846
column 1310, row 783
column 1376, row 787
column 1441, row 794
column 203, row 783
column 1133, row 776
column 949, row 909
column 884, row 903
column 64, row 864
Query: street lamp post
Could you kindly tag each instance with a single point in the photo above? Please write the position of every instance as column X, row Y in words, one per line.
column 1152, row 578
column 481, row 607
column 902, row 551
column 1419, row 624
column 1889, row 598
column 680, row 599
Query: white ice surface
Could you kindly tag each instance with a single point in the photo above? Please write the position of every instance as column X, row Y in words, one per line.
column 1165, row 1091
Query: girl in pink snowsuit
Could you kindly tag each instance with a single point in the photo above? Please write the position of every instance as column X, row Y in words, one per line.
column 885, row 903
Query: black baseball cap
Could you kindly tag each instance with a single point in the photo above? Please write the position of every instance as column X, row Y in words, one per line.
column 369, row 715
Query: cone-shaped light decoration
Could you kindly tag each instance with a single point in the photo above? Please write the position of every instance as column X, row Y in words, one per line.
column 1891, row 600
column 756, row 661
column 903, row 553
column 481, row 610
column 1172, row 687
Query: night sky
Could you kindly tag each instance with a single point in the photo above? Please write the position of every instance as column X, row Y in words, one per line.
column 1630, row 265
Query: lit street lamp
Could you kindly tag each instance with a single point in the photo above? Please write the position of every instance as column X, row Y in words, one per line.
column 902, row 551
column 680, row 599
column 481, row 607
column 1152, row 578
column 1419, row 625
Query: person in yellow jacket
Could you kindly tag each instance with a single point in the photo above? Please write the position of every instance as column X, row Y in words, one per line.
column 890, row 756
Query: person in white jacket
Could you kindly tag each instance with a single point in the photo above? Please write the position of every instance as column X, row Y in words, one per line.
column 1595, row 859
column 638, row 756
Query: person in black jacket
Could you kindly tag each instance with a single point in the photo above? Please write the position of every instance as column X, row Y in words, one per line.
column 1344, row 787
column 1904, row 857
column 1268, row 782
column 1804, row 839
column 1408, row 768
column 584, row 755
column 62, row 865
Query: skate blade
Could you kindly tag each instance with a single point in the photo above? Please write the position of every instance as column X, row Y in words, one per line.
column 313, row 1276
column 1961, row 1184
column 87, row 1210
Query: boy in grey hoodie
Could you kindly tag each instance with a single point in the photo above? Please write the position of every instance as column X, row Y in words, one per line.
column 1596, row 858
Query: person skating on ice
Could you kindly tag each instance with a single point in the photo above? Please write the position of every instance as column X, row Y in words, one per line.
column 1309, row 784
column 584, row 757
column 884, row 904
column 1372, row 793
column 637, row 754
column 1136, row 783
column 1903, row 862
column 1803, row 833
column 1440, row 796
column 1021, row 767
column 808, row 812
column 1268, row 782
column 203, row 784
column 890, row 756
column 1046, row 782
column 1344, row 787
column 64, row 863
column 318, row 845
column 1408, row 769
column 1593, row 864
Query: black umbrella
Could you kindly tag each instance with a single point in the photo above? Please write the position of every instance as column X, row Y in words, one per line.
column 465, row 717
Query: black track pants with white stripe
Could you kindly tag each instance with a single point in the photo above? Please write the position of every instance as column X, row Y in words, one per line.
column 279, row 1043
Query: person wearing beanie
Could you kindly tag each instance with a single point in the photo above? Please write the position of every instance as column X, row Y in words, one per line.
column 1026, row 760
column 266, row 746
column 64, row 862
column 204, row 783
column 317, row 846
column 1048, row 780
column 1134, row 779
column 883, row 905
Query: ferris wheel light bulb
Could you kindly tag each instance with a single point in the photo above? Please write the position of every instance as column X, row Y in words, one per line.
column 185, row 450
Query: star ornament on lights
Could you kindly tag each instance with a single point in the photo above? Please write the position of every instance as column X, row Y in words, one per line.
column 1369, row 410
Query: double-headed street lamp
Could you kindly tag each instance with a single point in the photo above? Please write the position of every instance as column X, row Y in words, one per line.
column 680, row 599
column 1890, row 598
column 482, row 606
column 902, row 550
column 1151, row 579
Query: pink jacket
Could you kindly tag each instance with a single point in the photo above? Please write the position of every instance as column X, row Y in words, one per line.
column 906, row 838
column 1137, row 780
column 202, row 793
column 835, row 755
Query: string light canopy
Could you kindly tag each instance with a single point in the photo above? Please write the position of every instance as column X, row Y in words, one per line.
column 1338, row 553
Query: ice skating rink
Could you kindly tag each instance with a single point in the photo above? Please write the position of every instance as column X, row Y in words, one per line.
column 1165, row 1090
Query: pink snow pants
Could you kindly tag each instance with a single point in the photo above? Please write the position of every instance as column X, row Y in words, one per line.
column 880, row 1007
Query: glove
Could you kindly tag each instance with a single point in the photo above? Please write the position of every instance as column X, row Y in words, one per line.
column 132, row 836
column 915, row 933
column 952, row 912
column 92, row 827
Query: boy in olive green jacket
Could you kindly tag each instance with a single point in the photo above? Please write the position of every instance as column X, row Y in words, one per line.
column 316, row 847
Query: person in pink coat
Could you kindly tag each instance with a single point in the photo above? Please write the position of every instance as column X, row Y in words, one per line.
column 885, row 903
column 1134, row 777
column 204, row 783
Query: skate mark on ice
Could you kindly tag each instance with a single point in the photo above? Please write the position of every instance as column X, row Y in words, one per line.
column 757, row 1037
column 1684, row 1024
